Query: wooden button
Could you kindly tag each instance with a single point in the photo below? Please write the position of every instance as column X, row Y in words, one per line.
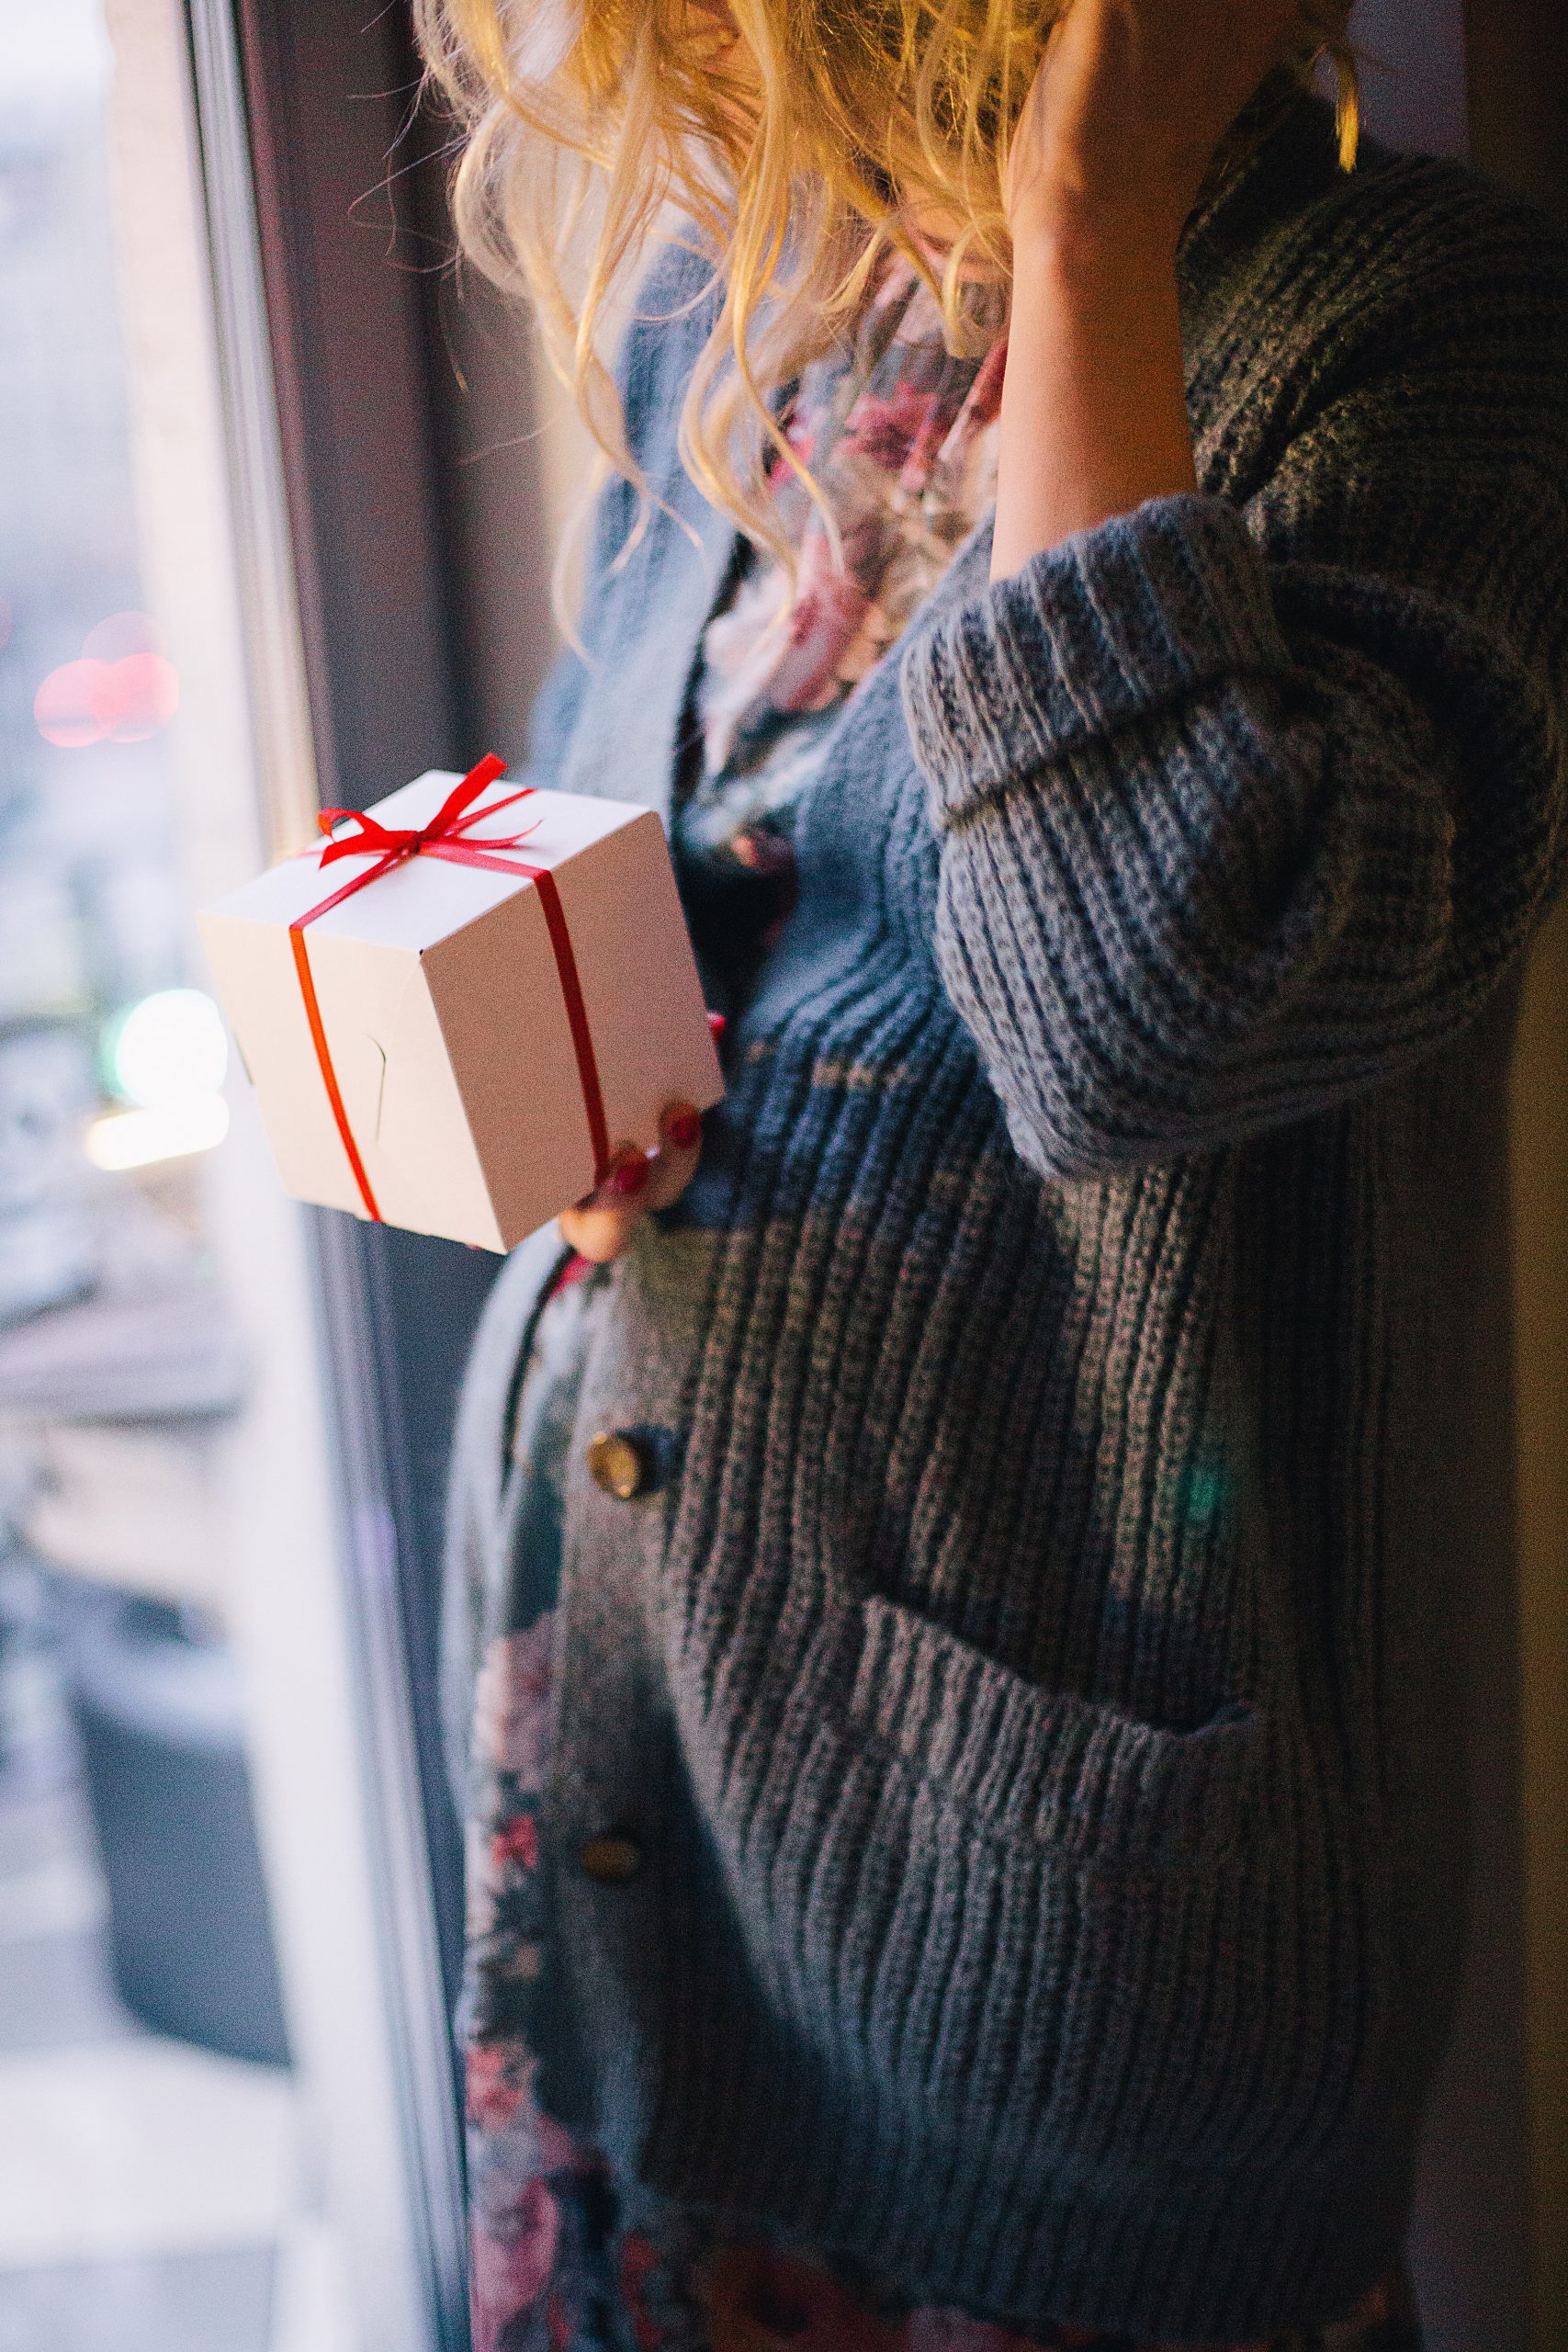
column 612, row 1858
column 623, row 1464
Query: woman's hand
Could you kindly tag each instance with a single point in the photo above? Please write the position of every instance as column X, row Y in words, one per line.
column 601, row 1226
column 1130, row 101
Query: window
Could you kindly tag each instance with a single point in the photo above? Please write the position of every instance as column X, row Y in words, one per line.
column 225, row 2097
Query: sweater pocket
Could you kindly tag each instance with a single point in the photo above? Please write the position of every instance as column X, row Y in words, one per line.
column 993, row 1914
column 1013, row 1760
column 984, row 1915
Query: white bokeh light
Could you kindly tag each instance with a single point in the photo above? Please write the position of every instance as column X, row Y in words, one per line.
column 169, row 1047
column 125, row 1139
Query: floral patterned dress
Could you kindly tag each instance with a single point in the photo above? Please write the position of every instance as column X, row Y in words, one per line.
column 901, row 438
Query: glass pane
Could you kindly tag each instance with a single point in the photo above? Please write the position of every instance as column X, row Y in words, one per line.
column 168, row 2170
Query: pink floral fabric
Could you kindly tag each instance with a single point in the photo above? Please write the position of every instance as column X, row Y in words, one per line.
column 902, row 445
column 526, row 2176
column 900, row 437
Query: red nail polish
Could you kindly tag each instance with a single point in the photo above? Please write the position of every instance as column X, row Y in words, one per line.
column 682, row 1128
column 718, row 1024
column 630, row 1177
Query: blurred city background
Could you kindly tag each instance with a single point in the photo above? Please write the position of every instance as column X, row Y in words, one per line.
column 148, row 2152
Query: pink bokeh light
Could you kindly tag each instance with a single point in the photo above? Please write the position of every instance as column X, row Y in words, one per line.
column 121, row 689
column 135, row 697
column 63, row 707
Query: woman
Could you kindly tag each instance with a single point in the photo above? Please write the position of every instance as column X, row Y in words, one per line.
column 965, row 1547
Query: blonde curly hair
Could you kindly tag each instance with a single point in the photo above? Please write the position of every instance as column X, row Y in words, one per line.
column 796, row 142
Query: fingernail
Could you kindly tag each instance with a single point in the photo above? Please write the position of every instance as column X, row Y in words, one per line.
column 629, row 1177
column 683, row 1127
column 718, row 1023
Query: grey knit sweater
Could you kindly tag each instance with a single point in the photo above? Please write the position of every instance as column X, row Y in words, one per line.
column 1035, row 1685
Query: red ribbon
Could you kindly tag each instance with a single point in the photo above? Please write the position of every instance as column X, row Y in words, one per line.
column 446, row 836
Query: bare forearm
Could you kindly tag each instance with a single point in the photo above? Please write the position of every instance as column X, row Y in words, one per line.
column 1107, row 157
column 1094, row 414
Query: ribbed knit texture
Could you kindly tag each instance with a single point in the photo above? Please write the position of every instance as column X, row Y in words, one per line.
column 1040, row 1690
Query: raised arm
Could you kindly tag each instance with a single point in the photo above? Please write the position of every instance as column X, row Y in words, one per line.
column 1244, row 806
column 1106, row 163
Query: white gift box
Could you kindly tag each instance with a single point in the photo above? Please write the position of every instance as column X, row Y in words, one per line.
column 488, row 1031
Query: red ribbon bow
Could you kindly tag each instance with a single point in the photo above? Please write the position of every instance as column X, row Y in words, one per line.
column 445, row 835
column 450, row 825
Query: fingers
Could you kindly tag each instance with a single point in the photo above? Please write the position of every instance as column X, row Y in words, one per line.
column 673, row 1165
column 601, row 1226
